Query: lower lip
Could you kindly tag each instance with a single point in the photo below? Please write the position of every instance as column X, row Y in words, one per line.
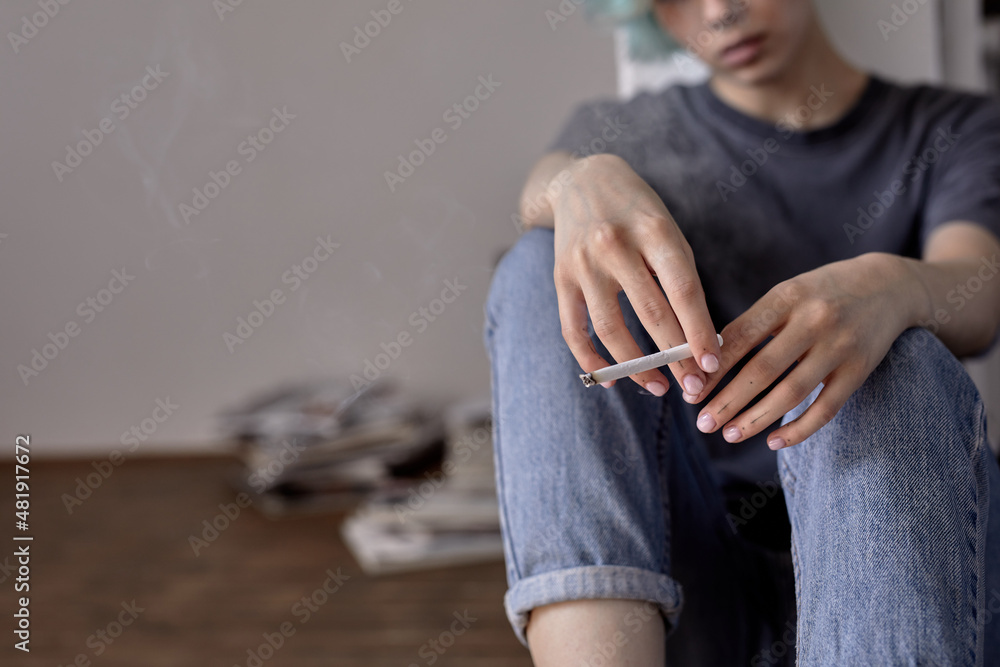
column 744, row 54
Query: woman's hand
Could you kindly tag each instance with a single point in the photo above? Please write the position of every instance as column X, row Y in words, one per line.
column 613, row 233
column 837, row 322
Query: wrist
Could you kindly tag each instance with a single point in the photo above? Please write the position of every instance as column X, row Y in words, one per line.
column 908, row 288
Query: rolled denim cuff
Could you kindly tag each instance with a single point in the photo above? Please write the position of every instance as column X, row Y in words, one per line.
column 592, row 582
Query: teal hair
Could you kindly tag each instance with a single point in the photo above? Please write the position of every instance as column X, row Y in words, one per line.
column 646, row 41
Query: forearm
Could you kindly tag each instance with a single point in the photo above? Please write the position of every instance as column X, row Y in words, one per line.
column 535, row 205
column 955, row 292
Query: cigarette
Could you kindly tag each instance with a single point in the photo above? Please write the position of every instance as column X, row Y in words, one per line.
column 640, row 365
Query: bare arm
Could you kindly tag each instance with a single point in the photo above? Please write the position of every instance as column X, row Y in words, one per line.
column 960, row 274
column 536, row 204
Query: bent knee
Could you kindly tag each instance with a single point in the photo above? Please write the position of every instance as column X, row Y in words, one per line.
column 918, row 409
column 522, row 281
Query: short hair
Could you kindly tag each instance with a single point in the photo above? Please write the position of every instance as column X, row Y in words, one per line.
column 646, row 40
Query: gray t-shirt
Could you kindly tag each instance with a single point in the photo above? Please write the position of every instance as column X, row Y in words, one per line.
column 761, row 202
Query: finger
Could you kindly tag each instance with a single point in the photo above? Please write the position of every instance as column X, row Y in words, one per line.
column 783, row 398
column 609, row 325
column 764, row 318
column 574, row 321
column 758, row 374
column 831, row 399
column 657, row 317
column 675, row 268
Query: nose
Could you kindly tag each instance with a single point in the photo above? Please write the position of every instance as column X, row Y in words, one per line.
column 721, row 14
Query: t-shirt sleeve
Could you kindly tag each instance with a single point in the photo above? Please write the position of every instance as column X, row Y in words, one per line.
column 967, row 184
column 581, row 133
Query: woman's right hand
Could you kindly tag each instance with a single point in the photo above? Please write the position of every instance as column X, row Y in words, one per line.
column 613, row 233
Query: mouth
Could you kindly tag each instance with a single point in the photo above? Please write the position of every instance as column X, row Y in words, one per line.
column 743, row 52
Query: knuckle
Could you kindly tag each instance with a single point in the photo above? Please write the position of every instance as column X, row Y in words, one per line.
column 654, row 310
column 606, row 235
column 794, row 390
column 764, row 369
column 683, row 288
column 823, row 413
column 573, row 334
column 605, row 326
column 562, row 273
column 822, row 315
column 790, row 291
column 848, row 342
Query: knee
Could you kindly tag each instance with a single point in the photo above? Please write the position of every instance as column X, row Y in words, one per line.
column 917, row 411
column 522, row 282
column 918, row 388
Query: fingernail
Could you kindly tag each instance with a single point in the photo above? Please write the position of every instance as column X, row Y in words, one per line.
column 656, row 388
column 693, row 384
column 777, row 442
column 606, row 385
column 688, row 397
column 731, row 434
column 709, row 363
column 706, row 423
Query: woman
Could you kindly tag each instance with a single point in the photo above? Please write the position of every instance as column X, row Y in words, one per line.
column 845, row 230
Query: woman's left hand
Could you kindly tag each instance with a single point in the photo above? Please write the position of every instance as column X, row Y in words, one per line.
column 837, row 322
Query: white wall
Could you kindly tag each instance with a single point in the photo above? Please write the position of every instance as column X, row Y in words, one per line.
column 162, row 336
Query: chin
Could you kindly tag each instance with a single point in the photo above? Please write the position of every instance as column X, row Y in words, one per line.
column 762, row 71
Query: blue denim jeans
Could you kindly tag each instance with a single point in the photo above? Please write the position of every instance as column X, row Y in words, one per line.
column 608, row 493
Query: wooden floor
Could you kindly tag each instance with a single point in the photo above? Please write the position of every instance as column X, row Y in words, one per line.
column 130, row 541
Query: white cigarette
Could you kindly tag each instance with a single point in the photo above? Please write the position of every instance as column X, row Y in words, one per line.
column 640, row 365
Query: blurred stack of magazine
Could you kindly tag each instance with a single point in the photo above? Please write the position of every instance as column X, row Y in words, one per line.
column 447, row 517
column 325, row 446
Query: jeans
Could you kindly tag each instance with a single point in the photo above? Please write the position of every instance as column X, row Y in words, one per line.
column 608, row 493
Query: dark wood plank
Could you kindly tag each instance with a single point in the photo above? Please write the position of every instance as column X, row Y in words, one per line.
column 130, row 541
